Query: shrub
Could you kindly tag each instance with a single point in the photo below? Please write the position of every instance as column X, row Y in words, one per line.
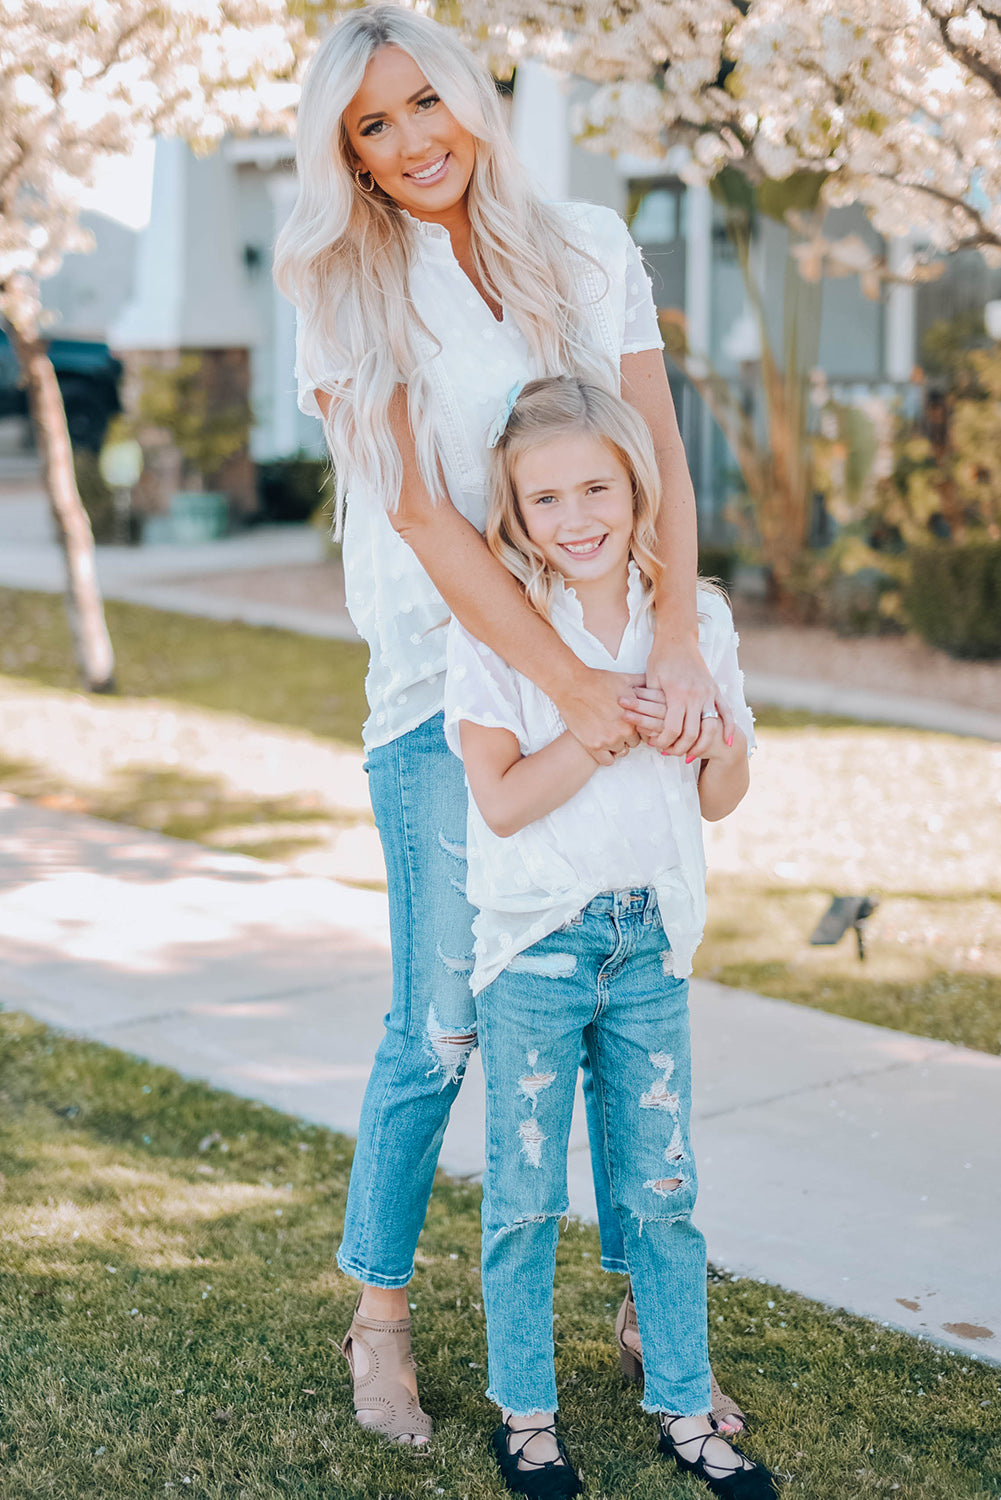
column 719, row 563
column 187, row 402
column 95, row 495
column 99, row 503
column 858, row 602
column 293, row 489
column 953, row 597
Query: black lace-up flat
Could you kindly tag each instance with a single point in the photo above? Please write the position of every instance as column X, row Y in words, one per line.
column 550, row 1480
column 627, row 1334
column 750, row 1482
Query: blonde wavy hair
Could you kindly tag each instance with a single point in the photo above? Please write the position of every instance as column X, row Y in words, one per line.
column 547, row 409
column 344, row 255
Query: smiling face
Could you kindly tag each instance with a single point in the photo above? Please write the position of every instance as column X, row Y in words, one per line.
column 575, row 498
column 400, row 131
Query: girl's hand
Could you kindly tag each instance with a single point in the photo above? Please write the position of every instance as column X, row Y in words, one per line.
column 647, row 709
column 678, row 671
column 723, row 773
column 589, row 706
column 712, row 746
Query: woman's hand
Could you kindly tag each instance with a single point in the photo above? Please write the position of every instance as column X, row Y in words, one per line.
column 589, row 705
column 687, row 692
column 648, row 711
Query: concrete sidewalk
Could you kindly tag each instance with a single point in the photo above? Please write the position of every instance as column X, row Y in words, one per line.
column 853, row 1164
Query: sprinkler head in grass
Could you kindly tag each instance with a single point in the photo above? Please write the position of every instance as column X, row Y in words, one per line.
column 844, row 912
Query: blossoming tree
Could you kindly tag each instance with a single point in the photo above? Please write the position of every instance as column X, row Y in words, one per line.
column 788, row 109
column 897, row 106
column 81, row 81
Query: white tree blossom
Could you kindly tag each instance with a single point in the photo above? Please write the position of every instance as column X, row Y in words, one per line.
column 898, row 104
column 809, row 104
column 82, row 81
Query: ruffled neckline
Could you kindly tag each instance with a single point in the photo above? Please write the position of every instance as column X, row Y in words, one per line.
column 566, row 601
column 436, row 233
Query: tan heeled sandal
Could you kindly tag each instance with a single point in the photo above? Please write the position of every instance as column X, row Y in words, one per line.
column 380, row 1392
column 724, row 1408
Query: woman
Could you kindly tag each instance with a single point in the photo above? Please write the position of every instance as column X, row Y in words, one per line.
column 428, row 278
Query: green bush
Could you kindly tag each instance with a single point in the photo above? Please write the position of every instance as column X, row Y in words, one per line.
column 852, row 602
column 95, row 495
column 184, row 402
column 719, row 563
column 99, row 503
column 953, row 597
column 292, row 489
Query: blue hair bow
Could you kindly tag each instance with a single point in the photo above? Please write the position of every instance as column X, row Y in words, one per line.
column 498, row 426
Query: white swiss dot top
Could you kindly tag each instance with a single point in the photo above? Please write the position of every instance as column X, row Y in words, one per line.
column 391, row 600
column 634, row 824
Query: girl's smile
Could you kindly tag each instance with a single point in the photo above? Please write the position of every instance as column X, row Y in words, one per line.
column 584, row 549
column 576, row 502
column 402, row 133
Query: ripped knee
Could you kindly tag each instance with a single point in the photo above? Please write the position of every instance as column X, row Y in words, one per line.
column 529, row 1221
column 663, row 1186
column 449, row 1047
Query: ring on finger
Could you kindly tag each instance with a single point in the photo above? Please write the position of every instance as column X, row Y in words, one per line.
column 709, row 713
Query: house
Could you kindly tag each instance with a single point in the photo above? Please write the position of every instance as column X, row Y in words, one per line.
column 202, row 280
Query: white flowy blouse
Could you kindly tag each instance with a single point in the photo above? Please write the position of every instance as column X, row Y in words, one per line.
column 392, row 602
column 635, row 824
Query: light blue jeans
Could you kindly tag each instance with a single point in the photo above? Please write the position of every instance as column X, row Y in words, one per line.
column 418, row 794
column 604, row 980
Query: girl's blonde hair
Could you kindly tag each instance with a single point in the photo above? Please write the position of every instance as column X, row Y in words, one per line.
column 345, row 254
column 547, row 409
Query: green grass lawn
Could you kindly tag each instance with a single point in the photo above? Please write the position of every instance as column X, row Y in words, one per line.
column 171, row 1315
column 756, row 939
column 272, row 675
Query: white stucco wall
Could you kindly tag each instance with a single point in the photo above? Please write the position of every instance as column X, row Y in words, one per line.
column 190, row 285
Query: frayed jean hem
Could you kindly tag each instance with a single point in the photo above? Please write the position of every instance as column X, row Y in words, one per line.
column 491, row 1396
column 667, row 1411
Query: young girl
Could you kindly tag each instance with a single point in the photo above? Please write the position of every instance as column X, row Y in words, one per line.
column 590, row 884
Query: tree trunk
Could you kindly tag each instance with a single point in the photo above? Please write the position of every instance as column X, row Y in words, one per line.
column 91, row 641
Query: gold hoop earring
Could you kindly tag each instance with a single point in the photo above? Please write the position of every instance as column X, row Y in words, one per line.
column 359, row 174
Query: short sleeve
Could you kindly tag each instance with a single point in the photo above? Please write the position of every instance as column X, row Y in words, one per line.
column 305, row 382
column 641, row 328
column 480, row 688
column 309, row 380
column 718, row 640
column 624, row 309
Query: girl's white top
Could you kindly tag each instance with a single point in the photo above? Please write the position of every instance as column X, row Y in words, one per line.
column 634, row 824
column 393, row 603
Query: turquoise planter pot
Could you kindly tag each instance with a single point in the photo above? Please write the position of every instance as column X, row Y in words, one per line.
column 194, row 516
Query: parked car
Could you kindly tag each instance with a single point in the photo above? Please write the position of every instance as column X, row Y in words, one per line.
column 88, row 376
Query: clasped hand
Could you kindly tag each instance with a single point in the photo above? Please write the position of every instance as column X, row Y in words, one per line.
column 610, row 712
column 678, row 709
column 648, row 709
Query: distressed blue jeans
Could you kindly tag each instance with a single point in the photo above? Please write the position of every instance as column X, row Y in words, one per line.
column 605, row 980
column 418, row 794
